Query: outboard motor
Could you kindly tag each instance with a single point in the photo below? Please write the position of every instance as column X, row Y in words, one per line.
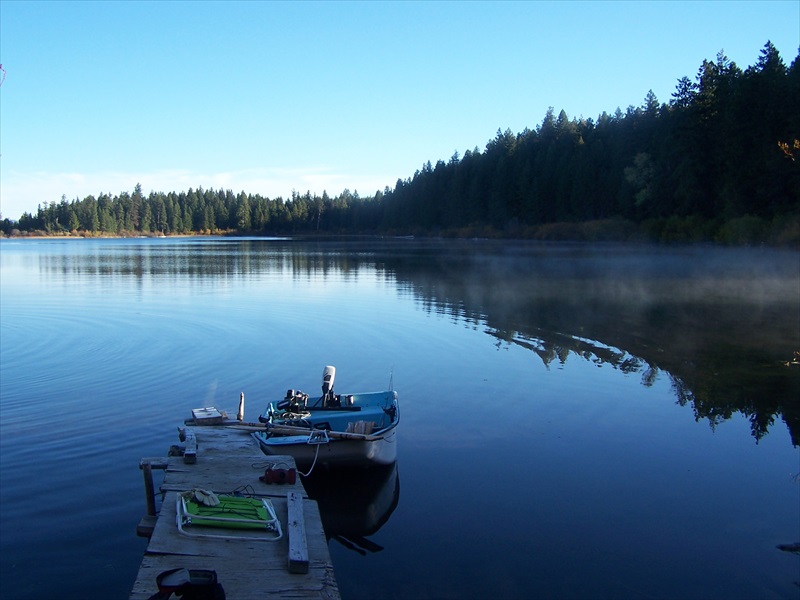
column 295, row 401
column 328, row 375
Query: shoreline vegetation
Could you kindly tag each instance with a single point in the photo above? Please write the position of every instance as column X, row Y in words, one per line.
column 719, row 163
column 743, row 231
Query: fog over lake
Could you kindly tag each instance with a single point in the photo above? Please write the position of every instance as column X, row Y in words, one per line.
column 577, row 421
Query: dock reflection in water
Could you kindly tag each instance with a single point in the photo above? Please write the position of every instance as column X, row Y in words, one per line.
column 649, row 391
column 355, row 503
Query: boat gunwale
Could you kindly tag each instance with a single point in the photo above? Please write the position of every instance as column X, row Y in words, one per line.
column 380, row 433
column 370, row 447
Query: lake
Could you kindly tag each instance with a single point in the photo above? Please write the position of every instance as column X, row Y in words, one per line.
column 577, row 421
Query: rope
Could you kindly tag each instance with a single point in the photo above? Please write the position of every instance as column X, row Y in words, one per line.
column 316, row 454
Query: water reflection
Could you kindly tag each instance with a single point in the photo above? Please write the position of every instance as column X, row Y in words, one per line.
column 597, row 460
column 721, row 324
column 355, row 503
column 201, row 258
column 715, row 389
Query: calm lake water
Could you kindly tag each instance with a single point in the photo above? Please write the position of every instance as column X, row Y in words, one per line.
column 576, row 421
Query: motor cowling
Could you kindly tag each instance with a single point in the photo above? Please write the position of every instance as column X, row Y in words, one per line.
column 328, row 377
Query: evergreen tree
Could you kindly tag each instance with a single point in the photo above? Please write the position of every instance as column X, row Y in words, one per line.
column 243, row 217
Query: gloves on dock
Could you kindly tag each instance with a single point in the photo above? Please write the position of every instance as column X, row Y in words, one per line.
column 205, row 497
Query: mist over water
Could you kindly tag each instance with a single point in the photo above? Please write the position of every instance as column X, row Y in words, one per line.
column 577, row 421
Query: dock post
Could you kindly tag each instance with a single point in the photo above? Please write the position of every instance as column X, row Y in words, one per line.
column 147, row 465
column 149, row 489
column 298, row 545
column 190, row 453
column 147, row 524
column 240, row 414
column 299, row 566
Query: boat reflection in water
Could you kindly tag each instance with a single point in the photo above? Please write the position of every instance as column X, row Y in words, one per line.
column 355, row 503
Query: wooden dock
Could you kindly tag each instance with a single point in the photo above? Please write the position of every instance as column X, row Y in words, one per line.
column 296, row 566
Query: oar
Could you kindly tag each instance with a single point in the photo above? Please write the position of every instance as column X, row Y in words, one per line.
column 292, row 430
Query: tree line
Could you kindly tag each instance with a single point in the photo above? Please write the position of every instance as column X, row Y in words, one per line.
column 201, row 211
column 720, row 160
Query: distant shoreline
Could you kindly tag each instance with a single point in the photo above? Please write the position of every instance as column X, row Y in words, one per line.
column 743, row 231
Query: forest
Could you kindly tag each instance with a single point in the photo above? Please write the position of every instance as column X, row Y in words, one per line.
column 719, row 162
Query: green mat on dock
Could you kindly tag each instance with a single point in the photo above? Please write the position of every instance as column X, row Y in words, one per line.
column 232, row 512
column 250, row 513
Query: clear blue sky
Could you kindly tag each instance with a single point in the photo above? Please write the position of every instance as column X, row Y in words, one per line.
column 268, row 97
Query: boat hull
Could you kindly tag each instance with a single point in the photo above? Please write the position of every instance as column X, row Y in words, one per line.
column 345, row 453
column 338, row 439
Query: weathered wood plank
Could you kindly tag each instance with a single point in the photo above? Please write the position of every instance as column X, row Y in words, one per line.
column 227, row 460
column 224, row 477
column 155, row 462
column 243, row 576
column 190, row 454
column 298, row 547
column 146, row 526
column 166, row 538
column 207, row 416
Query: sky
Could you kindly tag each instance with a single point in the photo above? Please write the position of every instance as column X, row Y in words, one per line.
column 274, row 97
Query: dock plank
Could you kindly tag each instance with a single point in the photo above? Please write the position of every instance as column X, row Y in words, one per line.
column 296, row 532
column 227, row 460
column 243, row 577
column 220, row 447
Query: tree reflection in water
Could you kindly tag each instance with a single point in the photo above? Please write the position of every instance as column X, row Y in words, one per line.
column 722, row 324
